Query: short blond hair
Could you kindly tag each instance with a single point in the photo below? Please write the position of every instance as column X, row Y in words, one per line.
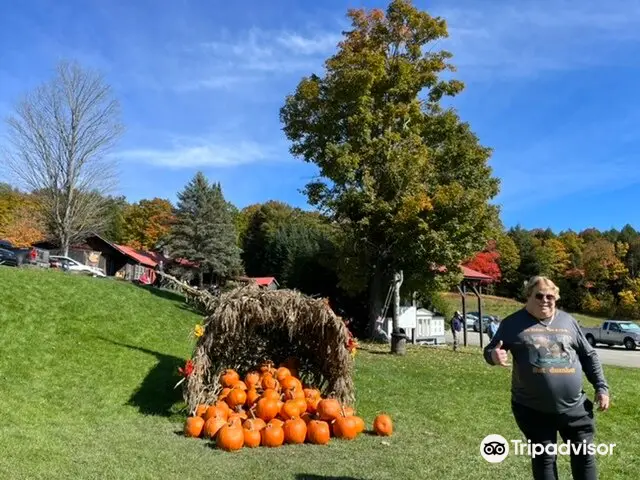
column 540, row 279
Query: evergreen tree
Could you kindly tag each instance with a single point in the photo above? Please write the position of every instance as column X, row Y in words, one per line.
column 204, row 231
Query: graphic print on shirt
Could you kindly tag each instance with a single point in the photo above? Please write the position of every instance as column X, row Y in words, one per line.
column 550, row 350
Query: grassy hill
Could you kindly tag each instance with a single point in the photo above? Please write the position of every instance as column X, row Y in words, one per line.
column 502, row 307
column 87, row 373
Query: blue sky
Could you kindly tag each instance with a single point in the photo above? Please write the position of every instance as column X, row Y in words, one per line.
column 551, row 86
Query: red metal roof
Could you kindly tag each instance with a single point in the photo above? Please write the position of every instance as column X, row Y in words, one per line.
column 262, row 281
column 143, row 258
column 469, row 273
column 474, row 274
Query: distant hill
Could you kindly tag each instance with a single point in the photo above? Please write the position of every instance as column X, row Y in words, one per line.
column 501, row 307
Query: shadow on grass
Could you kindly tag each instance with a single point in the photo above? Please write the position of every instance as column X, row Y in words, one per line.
column 156, row 394
column 169, row 295
column 309, row 476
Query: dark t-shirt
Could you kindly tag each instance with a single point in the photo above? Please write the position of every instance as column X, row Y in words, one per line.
column 548, row 361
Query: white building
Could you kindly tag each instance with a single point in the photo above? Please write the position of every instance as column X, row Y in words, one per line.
column 420, row 325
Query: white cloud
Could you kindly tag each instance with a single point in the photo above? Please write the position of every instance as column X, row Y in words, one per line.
column 301, row 45
column 502, row 38
column 190, row 153
column 252, row 56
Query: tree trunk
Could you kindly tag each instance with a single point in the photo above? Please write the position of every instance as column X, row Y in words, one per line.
column 64, row 245
column 201, row 278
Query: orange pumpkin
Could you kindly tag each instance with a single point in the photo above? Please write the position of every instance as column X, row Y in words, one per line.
column 328, row 409
column 267, row 408
column 272, row 436
column 240, row 384
column 278, row 422
column 252, row 379
column 318, row 432
column 254, row 423
column 360, row 426
column 236, row 397
column 345, row 428
column 230, row 438
column 293, row 393
column 311, row 393
column 215, row 411
column 193, row 426
column 302, row 404
column 290, row 409
column 349, row 411
column 237, row 418
column 290, row 383
column 268, row 381
column 212, row 426
column 312, row 404
column 383, row 425
column 282, row 373
column 295, row 431
column 229, row 377
column 201, row 410
column 252, row 397
column 270, row 393
column 252, row 437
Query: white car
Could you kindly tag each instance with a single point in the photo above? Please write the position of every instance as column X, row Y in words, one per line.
column 71, row 265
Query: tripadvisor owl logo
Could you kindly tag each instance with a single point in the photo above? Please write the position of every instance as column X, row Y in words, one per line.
column 494, row 448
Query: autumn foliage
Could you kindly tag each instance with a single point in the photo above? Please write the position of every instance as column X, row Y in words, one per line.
column 147, row 222
column 487, row 263
column 20, row 218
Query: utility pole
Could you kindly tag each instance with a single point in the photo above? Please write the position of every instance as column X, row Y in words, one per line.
column 398, row 339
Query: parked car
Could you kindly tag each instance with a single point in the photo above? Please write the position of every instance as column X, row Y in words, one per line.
column 71, row 265
column 470, row 320
column 8, row 258
column 27, row 256
column 473, row 321
column 614, row 332
column 486, row 321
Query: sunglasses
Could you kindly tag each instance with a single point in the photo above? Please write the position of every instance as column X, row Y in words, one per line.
column 549, row 297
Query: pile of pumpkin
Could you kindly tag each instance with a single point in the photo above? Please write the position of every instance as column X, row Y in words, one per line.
column 271, row 407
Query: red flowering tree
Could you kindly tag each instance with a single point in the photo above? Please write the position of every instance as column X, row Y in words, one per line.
column 486, row 262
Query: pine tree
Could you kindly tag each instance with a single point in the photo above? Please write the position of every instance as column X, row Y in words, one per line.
column 204, row 231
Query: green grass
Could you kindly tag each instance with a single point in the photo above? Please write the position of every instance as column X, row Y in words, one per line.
column 87, row 373
column 503, row 307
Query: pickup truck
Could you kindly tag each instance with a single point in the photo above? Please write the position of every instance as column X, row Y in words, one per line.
column 27, row 256
column 614, row 332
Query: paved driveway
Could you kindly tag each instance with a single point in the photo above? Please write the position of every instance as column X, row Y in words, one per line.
column 608, row 355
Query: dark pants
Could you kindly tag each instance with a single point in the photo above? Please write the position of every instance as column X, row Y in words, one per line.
column 542, row 428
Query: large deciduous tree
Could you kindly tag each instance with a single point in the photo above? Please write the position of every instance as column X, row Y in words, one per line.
column 147, row 223
column 59, row 137
column 406, row 179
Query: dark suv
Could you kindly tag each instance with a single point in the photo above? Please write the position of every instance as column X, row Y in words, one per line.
column 8, row 258
column 25, row 256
